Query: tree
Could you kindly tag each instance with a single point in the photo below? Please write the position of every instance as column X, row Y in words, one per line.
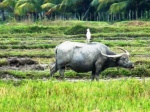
column 7, row 5
column 50, row 6
column 28, row 7
column 68, row 6
column 124, row 6
column 84, row 9
column 2, row 11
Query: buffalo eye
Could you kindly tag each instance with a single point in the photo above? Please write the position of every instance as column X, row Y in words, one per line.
column 124, row 59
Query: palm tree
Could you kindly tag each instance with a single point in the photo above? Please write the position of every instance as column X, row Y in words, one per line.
column 2, row 11
column 91, row 9
column 7, row 5
column 88, row 8
column 67, row 6
column 124, row 6
column 28, row 7
column 50, row 6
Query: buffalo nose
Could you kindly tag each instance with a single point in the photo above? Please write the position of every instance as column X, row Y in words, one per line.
column 131, row 65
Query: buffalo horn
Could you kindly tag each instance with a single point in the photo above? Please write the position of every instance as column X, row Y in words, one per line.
column 117, row 55
column 125, row 51
column 112, row 56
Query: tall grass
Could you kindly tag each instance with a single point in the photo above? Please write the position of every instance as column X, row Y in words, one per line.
column 54, row 96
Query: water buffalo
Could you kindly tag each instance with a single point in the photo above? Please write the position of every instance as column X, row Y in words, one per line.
column 82, row 57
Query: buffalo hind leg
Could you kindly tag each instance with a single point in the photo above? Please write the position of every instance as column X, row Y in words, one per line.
column 97, row 77
column 53, row 69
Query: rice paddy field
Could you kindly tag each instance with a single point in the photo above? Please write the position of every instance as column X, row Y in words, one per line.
column 27, row 87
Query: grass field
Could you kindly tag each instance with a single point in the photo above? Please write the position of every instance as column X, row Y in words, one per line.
column 56, row 96
column 24, row 89
column 38, row 40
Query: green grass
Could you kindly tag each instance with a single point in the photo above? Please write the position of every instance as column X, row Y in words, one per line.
column 53, row 96
column 139, row 71
column 77, row 28
column 33, row 92
column 26, row 53
column 37, row 41
column 3, row 61
column 49, row 52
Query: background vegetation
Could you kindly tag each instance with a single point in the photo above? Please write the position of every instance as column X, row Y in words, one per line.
column 100, row 10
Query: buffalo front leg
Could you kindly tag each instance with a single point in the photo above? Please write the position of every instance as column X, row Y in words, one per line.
column 93, row 75
column 98, row 69
column 61, row 72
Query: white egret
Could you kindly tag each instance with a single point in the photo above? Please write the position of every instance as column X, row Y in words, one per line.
column 88, row 35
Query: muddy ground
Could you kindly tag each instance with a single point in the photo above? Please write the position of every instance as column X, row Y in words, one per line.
column 22, row 64
column 27, row 64
column 14, row 63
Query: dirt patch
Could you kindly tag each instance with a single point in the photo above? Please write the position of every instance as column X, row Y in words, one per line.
column 136, row 23
column 25, row 67
column 9, row 77
column 15, row 63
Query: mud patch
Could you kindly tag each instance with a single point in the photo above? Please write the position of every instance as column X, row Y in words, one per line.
column 39, row 67
column 15, row 63
column 9, row 77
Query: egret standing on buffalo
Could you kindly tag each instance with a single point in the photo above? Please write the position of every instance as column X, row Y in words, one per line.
column 88, row 35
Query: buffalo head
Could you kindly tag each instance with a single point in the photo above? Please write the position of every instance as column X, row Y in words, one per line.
column 121, row 59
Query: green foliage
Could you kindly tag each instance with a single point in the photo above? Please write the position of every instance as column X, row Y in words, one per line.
column 3, row 62
column 56, row 96
column 8, row 4
column 116, row 72
column 124, row 43
column 27, row 53
column 46, row 8
column 18, row 74
column 78, row 29
column 141, row 71
column 118, row 7
column 32, row 29
column 24, row 7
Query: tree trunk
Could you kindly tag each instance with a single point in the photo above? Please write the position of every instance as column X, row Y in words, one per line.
column 3, row 15
column 36, row 16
